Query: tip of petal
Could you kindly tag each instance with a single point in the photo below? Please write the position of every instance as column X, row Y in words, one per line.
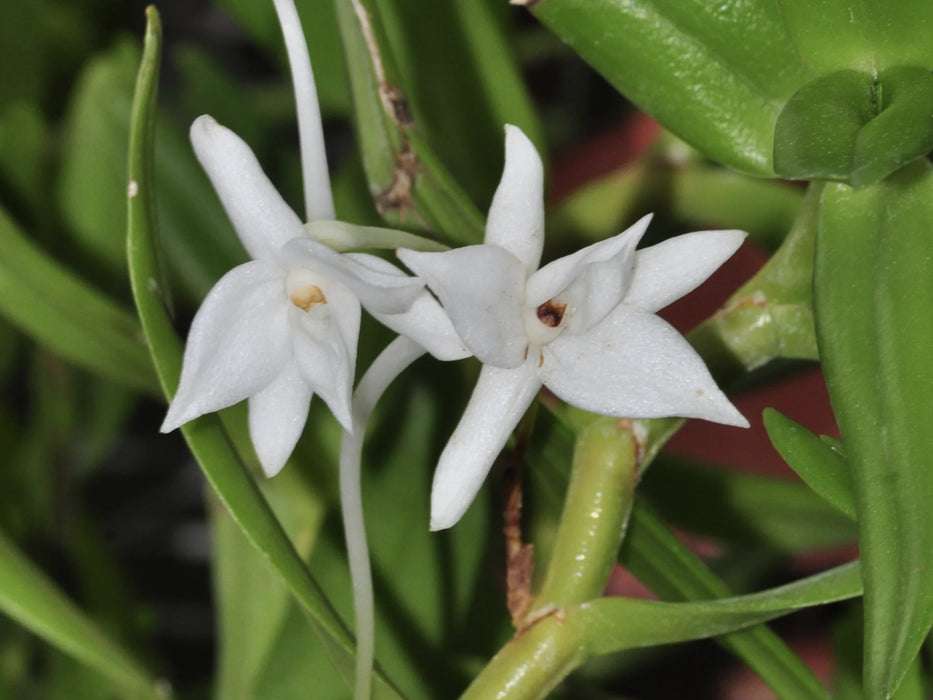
column 176, row 417
column 202, row 129
column 722, row 411
column 450, row 499
column 271, row 468
column 442, row 521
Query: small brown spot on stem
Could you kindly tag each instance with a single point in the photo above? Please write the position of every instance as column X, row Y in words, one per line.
column 551, row 313
column 307, row 296
column 398, row 194
column 401, row 115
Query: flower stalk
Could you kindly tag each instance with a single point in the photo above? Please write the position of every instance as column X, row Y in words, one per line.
column 596, row 511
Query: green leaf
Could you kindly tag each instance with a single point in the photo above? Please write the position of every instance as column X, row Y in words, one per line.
column 855, row 126
column 715, row 74
column 252, row 599
column 865, row 35
column 613, row 624
column 873, row 295
column 207, row 440
column 663, row 563
column 50, row 304
column 817, row 463
column 405, row 176
column 847, row 679
column 34, row 601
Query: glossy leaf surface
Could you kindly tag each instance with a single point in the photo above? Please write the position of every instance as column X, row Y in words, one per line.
column 716, row 74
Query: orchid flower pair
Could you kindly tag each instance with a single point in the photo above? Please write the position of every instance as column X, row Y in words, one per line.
column 284, row 326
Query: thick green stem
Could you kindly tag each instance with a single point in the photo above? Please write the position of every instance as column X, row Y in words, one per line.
column 532, row 663
column 599, row 499
column 596, row 510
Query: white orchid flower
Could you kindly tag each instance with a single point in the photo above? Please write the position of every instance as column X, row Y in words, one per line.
column 284, row 326
column 585, row 326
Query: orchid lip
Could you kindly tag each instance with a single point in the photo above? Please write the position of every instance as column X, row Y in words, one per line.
column 546, row 322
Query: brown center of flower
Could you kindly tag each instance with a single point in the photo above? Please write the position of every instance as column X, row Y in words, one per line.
column 306, row 296
column 551, row 313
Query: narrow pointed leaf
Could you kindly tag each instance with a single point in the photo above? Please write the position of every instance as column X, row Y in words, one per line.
column 49, row 303
column 614, row 624
column 208, row 442
column 817, row 463
column 34, row 601
column 664, row 564
column 873, row 294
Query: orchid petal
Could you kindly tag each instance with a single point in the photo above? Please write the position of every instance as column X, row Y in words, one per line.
column 236, row 344
column 380, row 286
column 591, row 281
column 498, row 402
column 277, row 416
column 262, row 219
column 428, row 325
column 667, row 271
column 319, row 202
column 635, row 365
column 481, row 287
column 516, row 215
column 324, row 341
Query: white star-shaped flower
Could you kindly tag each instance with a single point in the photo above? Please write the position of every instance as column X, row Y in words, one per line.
column 284, row 326
column 585, row 326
